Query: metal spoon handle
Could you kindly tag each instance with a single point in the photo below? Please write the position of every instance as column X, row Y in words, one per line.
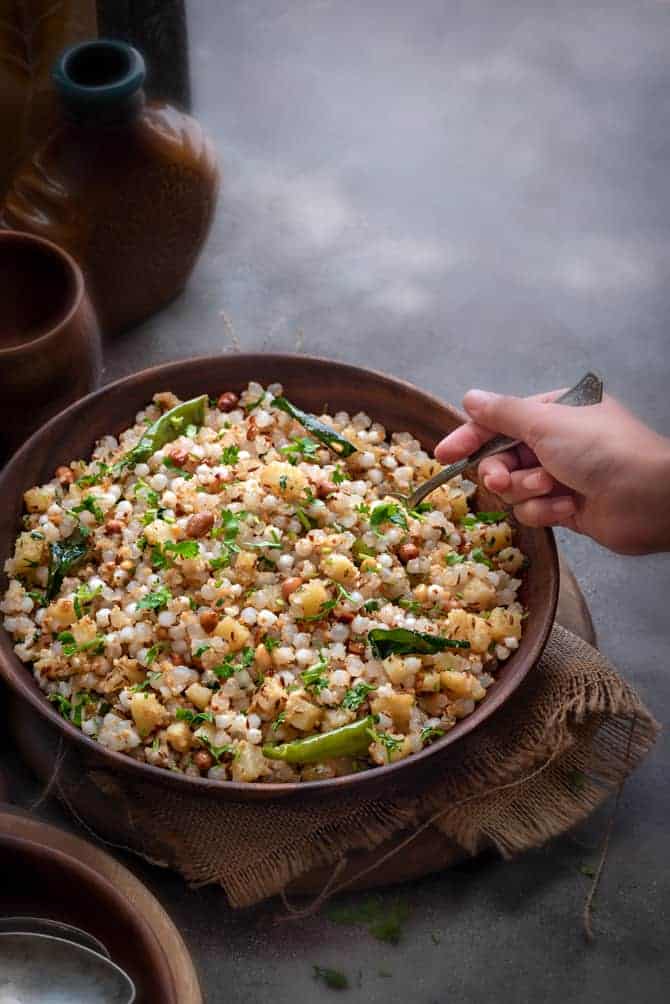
column 588, row 391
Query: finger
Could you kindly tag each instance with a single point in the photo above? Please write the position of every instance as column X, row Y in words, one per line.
column 495, row 472
column 461, row 442
column 527, row 484
column 521, row 418
column 557, row 511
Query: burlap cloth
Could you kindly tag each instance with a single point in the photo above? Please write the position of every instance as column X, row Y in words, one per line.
column 569, row 736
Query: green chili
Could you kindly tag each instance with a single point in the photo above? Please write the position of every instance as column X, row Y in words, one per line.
column 349, row 740
column 168, row 427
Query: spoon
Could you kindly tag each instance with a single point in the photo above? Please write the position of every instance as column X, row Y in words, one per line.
column 41, row 969
column 55, row 928
column 588, row 391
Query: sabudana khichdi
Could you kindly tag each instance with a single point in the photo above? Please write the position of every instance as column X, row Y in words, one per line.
column 230, row 590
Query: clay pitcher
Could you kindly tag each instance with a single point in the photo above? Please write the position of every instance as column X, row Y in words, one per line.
column 127, row 186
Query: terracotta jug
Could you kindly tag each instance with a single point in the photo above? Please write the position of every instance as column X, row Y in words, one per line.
column 128, row 187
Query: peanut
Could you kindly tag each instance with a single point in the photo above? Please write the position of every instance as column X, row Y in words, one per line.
column 227, row 401
column 407, row 552
column 65, row 475
column 208, row 620
column 199, row 524
column 178, row 456
column 203, row 760
column 113, row 526
column 289, row 586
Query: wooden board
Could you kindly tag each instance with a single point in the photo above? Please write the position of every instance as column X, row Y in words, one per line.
column 431, row 851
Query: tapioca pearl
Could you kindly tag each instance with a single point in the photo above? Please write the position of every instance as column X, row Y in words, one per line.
column 390, row 462
column 511, row 643
column 502, row 652
column 339, row 632
column 166, row 618
column 254, row 736
column 305, row 656
column 249, row 615
column 412, row 664
column 360, row 625
column 285, row 562
column 158, row 482
column 141, row 470
column 266, row 619
column 375, row 477
column 269, row 502
column 385, row 560
column 301, row 640
column 455, row 539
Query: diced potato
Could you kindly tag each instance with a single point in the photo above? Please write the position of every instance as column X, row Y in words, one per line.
column 397, row 672
column 249, row 763
column 397, row 707
column 441, row 499
column 199, row 695
column 478, row 593
column 301, row 713
column 511, row 559
column 492, row 538
column 458, row 502
column 39, row 499
column 340, row 568
column 458, row 684
column 158, row 532
column 245, row 563
column 428, row 682
column 334, row 718
column 434, row 704
column 29, row 553
column 310, row 597
column 477, row 692
column 147, row 711
column 381, row 755
column 284, row 480
column 179, row 736
column 269, row 700
column 236, row 634
column 468, row 627
column 504, row 623
column 59, row 615
column 84, row 631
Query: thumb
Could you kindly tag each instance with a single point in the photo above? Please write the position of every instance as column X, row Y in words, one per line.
column 522, row 418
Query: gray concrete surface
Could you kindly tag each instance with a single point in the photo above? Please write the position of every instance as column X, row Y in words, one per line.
column 461, row 194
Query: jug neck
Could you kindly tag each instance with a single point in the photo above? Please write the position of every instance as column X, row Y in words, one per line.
column 100, row 82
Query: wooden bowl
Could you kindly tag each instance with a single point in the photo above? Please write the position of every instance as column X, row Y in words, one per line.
column 313, row 384
column 49, row 340
column 41, row 879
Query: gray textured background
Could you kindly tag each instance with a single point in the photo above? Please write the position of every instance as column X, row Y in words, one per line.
column 464, row 193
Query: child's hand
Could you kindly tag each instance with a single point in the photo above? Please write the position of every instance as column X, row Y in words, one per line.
column 597, row 469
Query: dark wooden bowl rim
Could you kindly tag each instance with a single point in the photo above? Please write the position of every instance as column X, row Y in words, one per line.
column 20, row 678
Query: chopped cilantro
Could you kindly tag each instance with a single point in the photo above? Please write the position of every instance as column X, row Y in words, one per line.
column 483, row 517
column 194, row 717
column 94, row 479
column 229, row 667
column 388, row 512
column 370, row 605
column 152, row 653
column 478, row 555
column 339, row 476
column 230, row 455
column 83, row 597
column 455, row 559
column 356, row 695
column 429, row 734
column 279, row 721
column 89, row 505
column 155, row 601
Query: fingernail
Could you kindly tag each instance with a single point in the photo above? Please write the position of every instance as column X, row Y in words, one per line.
column 475, row 400
column 563, row 507
column 532, row 482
